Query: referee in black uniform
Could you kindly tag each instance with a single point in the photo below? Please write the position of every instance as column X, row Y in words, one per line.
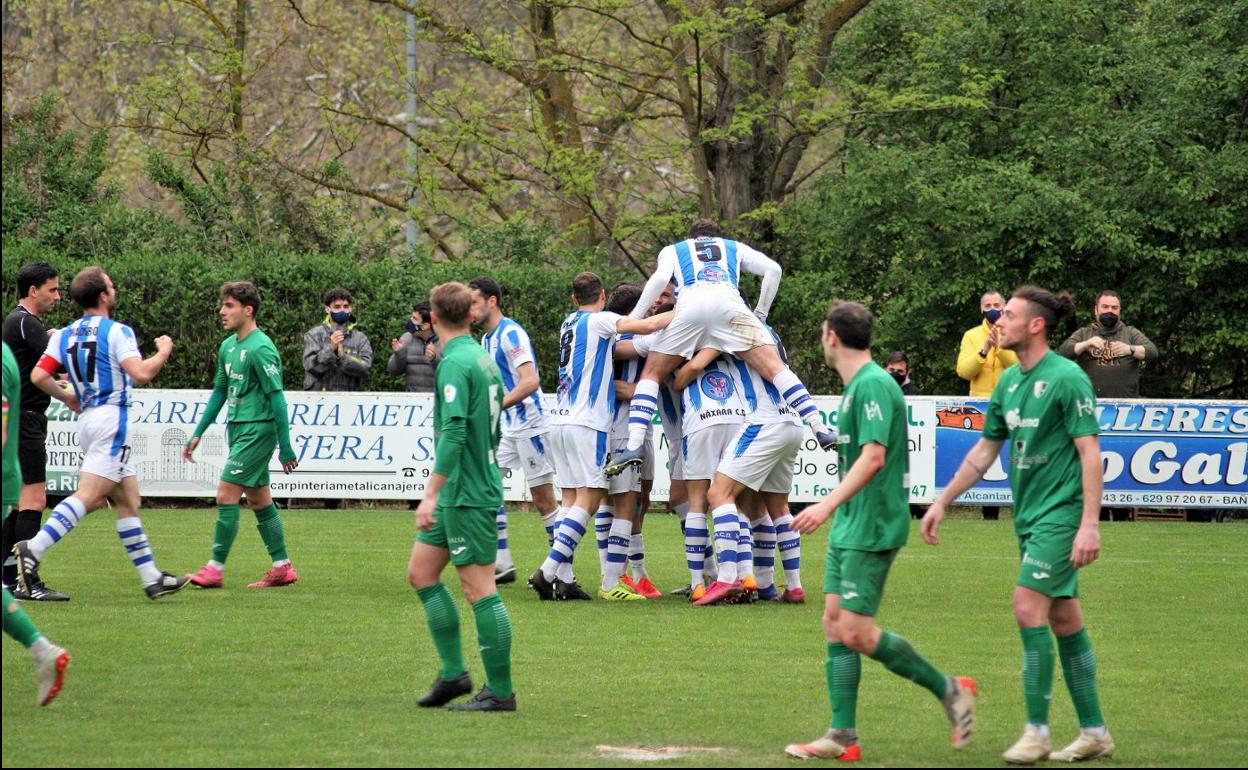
column 38, row 292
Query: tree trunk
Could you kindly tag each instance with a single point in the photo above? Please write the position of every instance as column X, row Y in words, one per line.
column 558, row 108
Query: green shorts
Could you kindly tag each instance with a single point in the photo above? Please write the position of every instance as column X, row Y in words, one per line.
column 251, row 450
column 469, row 534
column 1046, row 566
column 857, row 577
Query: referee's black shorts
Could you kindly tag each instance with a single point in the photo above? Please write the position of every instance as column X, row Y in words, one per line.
column 32, row 450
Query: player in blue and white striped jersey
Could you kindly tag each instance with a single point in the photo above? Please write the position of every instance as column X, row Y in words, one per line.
column 619, row 517
column 582, row 417
column 103, row 361
column 712, row 411
column 525, row 442
column 711, row 314
column 760, row 458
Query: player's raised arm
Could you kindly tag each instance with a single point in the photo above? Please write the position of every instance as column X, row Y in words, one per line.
column 760, row 264
column 662, row 276
column 144, row 370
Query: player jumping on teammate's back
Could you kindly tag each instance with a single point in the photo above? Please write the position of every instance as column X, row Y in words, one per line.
column 711, row 314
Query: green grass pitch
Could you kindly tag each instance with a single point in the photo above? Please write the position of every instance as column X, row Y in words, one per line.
column 327, row 672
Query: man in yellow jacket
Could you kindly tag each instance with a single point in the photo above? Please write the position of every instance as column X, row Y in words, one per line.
column 982, row 360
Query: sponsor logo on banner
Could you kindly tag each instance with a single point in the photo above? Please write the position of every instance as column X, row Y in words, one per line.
column 374, row 446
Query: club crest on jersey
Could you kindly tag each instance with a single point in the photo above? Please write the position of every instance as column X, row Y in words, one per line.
column 242, row 356
column 712, row 274
column 717, row 385
column 1040, row 387
column 448, row 393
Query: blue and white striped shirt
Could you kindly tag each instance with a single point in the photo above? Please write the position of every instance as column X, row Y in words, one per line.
column 91, row 350
column 586, row 394
column 510, row 347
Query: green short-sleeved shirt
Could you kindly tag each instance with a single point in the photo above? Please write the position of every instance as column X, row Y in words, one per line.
column 468, row 398
column 250, row 369
column 12, row 424
column 878, row 517
column 1041, row 411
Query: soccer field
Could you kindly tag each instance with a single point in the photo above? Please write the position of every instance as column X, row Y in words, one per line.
column 327, row 672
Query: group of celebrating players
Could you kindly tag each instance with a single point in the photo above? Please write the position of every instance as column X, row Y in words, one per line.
column 731, row 416
column 688, row 348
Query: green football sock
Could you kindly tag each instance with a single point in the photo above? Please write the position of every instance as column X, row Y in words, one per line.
column 1037, row 673
column 269, row 522
column 903, row 660
column 1079, row 665
column 444, row 627
column 17, row 623
column 227, row 530
column 844, row 670
column 494, row 640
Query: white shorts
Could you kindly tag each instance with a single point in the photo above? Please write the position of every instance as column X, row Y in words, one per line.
column 530, row 454
column 630, row 479
column 702, row 449
column 711, row 318
column 675, row 463
column 580, row 455
column 647, row 463
column 102, row 435
column 761, row 456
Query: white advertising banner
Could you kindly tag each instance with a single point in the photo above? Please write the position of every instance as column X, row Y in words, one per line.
column 379, row 446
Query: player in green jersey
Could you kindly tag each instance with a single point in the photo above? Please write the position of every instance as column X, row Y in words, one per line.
column 457, row 516
column 872, row 524
column 50, row 660
column 1045, row 407
column 249, row 383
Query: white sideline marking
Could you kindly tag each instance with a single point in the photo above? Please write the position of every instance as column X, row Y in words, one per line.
column 653, row 753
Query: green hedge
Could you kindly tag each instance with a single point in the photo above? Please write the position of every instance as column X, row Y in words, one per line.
column 176, row 294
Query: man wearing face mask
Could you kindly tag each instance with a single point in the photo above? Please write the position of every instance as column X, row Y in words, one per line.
column 336, row 355
column 982, row 360
column 1109, row 351
column 415, row 354
column 898, row 367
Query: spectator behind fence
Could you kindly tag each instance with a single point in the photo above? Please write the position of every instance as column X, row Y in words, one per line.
column 336, row 355
column 1109, row 351
column 982, row 360
column 416, row 353
column 898, row 367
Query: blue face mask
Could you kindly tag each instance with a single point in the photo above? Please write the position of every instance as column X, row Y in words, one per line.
column 991, row 316
column 411, row 326
column 340, row 316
